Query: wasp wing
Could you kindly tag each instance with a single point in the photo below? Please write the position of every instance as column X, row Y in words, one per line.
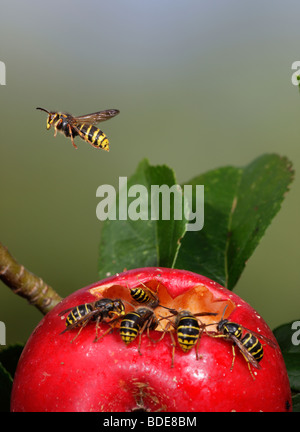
column 77, row 323
column 96, row 117
column 260, row 336
column 245, row 352
column 70, row 309
column 67, row 310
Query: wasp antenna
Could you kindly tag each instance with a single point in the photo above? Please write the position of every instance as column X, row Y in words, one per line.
column 125, row 301
column 166, row 317
column 224, row 311
column 216, row 323
column 43, row 109
column 174, row 311
column 211, row 313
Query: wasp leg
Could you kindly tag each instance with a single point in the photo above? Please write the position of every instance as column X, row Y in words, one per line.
column 140, row 341
column 156, row 340
column 163, row 335
column 173, row 348
column 233, row 349
column 103, row 334
column 197, row 345
column 147, row 324
column 233, row 354
column 113, row 321
column 249, row 367
column 111, row 327
column 55, row 127
column 248, row 363
column 80, row 330
column 233, row 357
column 72, row 138
column 97, row 327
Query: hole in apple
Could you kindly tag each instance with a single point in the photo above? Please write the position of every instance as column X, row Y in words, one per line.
column 196, row 300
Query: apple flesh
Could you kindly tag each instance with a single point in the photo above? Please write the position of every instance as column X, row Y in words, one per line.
column 59, row 373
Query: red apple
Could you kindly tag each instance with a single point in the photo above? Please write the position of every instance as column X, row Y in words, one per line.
column 57, row 374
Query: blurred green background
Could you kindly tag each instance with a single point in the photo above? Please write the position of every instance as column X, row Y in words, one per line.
column 199, row 84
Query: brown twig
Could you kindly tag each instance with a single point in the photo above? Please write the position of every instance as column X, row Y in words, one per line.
column 26, row 284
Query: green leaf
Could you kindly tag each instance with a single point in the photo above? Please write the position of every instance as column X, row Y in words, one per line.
column 288, row 338
column 5, row 389
column 296, row 402
column 141, row 243
column 292, row 363
column 239, row 205
column 205, row 251
column 9, row 357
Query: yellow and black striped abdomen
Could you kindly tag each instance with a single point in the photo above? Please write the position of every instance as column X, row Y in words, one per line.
column 130, row 327
column 253, row 346
column 188, row 331
column 135, row 322
column 78, row 313
column 93, row 135
column 140, row 295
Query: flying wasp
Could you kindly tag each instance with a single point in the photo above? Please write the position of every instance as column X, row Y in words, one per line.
column 188, row 330
column 249, row 344
column 101, row 311
column 134, row 323
column 83, row 126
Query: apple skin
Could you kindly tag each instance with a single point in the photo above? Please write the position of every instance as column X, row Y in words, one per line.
column 108, row 376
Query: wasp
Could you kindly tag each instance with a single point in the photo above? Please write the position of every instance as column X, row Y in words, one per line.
column 188, row 330
column 134, row 323
column 83, row 126
column 101, row 311
column 246, row 340
column 145, row 295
